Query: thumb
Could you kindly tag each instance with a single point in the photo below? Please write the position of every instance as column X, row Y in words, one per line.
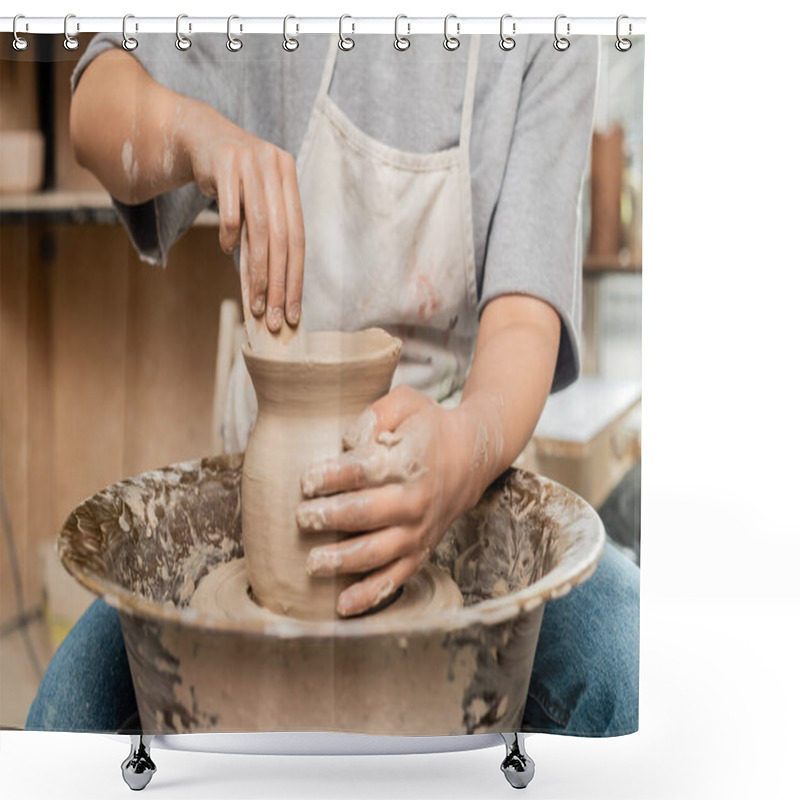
column 384, row 415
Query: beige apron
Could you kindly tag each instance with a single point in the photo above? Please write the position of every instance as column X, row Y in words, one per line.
column 389, row 243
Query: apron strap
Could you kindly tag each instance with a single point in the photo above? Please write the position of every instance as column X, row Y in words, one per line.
column 469, row 92
column 327, row 70
column 324, row 84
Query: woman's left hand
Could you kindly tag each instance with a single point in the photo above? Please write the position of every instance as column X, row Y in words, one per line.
column 400, row 483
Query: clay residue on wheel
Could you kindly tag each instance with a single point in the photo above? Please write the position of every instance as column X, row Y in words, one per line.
column 504, row 544
column 156, row 535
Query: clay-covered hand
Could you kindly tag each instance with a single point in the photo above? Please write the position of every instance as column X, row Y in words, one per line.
column 253, row 181
column 402, row 480
column 168, row 140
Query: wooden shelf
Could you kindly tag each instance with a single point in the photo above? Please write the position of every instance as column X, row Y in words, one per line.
column 600, row 264
column 94, row 207
column 79, row 207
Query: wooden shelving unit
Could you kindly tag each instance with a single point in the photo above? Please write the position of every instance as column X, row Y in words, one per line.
column 70, row 206
column 89, row 206
column 602, row 264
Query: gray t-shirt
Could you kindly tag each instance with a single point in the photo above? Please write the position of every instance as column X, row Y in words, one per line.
column 531, row 133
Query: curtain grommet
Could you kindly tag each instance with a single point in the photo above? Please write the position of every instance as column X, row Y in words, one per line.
column 623, row 44
column 70, row 42
column 290, row 43
column 233, row 44
column 507, row 43
column 183, row 43
column 561, row 43
column 401, row 43
column 346, row 43
column 451, row 43
column 129, row 43
column 19, row 44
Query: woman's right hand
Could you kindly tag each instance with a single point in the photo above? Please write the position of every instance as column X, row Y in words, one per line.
column 167, row 140
column 253, row 181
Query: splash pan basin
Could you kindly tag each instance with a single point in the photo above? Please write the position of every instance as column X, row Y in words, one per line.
column 145, row 543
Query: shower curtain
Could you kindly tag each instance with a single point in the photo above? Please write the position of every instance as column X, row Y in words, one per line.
column 479, row 198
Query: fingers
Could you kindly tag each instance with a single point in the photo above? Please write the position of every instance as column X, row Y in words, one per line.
column 277, row 237
column 368, row 466
column 378, row 586
column 348, row 472
column 359, row 553
column 229, row 202
column 366, row 510
column 372, row 465
column 296, row 239
column 265, row 187
column 255, row 212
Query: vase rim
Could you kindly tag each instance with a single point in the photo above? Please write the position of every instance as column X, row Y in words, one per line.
column 359, row 347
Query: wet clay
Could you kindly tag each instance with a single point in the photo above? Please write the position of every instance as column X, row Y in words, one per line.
column 309, row 392
column 225, row 592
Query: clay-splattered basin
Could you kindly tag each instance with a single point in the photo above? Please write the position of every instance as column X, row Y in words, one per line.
column 144, row 544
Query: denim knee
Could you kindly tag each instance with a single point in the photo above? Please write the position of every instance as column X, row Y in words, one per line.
column 585, row 678
column 87, row 685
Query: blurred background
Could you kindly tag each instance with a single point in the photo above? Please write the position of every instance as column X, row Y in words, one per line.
column 103, row 374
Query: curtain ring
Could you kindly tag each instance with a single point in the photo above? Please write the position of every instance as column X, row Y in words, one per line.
column 507, row 42
column 128, row 42
column 181, row 41
column 623, row 45
column 561, row 43
column 401, row 43
column 19, row 43
column 233, row 44
column 290, row 44
column 346, row 42
column 451, row 42
column 70, row 42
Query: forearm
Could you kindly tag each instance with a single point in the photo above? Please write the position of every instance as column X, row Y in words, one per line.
column 129, row 130
column 507, row 386
column 142, row 140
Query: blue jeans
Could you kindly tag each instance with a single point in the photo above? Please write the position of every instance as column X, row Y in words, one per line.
column 585, row 678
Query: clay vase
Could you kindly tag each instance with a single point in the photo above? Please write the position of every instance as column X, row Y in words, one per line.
column 307, row 398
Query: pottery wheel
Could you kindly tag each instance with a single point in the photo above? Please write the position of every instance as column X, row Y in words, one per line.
column 225, row 592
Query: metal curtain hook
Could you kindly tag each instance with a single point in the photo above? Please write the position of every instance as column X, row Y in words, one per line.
column 70, row 42
column 346, row 42
column 290, row 44
column 233, row 44
column 561, row 43
column 19, row 43
column 401, row 42
column 181, row 41
column 507, row 42
column 451, row 42
column 128, row 42
column 623, row 45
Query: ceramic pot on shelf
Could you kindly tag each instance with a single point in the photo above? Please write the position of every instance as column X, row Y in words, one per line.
column 21, row 161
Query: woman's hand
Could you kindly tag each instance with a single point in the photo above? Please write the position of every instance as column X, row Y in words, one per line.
column 402, row 480
column 253, row 181
column 141, row 140
column 411, row 467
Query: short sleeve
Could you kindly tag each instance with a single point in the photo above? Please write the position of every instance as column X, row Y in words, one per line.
column 154, row 226
column 534, row 244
